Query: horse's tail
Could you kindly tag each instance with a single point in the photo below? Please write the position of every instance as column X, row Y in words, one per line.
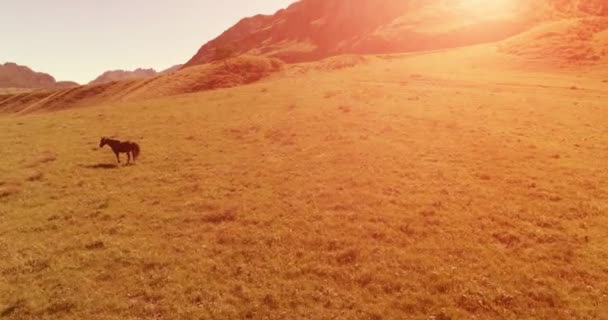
column 136, row 151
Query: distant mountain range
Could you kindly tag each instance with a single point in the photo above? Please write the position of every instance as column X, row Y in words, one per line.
column 13, row 75
column 17, row 76
column 119, row 75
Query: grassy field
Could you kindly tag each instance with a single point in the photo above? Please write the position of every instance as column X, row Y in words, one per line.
column 433, row 186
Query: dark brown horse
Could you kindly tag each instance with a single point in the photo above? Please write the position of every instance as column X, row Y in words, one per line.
column 128, row 147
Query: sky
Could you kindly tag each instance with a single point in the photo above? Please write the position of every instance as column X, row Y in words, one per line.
column 77, row 40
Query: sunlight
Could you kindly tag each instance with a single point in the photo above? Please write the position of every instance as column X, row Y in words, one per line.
column 487, row 7
column 335, row 159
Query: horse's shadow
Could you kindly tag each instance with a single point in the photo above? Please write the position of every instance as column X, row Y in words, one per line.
column 100, row 166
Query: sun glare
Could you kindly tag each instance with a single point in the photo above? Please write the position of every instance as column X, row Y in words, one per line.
column 488, row 7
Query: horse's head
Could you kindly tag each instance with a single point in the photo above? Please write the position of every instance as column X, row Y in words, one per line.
column 103, row 142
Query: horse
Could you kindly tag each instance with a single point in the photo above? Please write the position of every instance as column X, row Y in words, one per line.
column 128, row 147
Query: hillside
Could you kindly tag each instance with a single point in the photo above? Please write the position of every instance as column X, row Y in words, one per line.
column 549, row 34
column 444, row 185
column 575, row 35
column 565, row 42
column 284, row 174
column 229, row 73
column 13, row 75
column 314, row 29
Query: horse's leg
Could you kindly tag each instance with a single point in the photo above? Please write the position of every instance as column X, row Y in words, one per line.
column 128, row 157
column 117, row 156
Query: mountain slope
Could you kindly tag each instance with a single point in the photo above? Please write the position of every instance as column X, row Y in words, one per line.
column 314, row 29
column 576, row 42
column 13, row 75
column 228, row 73
column 545, row 31
column 411, row 186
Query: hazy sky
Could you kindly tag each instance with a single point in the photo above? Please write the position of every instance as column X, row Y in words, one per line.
column 79, row 39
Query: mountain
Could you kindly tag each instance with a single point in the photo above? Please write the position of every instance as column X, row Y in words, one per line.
column 313, row 29
column 13, row 75
column 65, row 84
column 552, row 33
column 119, row 75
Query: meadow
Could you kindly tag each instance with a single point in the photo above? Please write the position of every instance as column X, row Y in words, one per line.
column 450, row 185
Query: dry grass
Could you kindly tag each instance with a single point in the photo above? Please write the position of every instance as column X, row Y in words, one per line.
column 415, row 187
column 577, row 41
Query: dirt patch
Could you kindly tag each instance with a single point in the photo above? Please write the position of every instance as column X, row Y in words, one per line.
column 8, row 190
column 226, row 215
